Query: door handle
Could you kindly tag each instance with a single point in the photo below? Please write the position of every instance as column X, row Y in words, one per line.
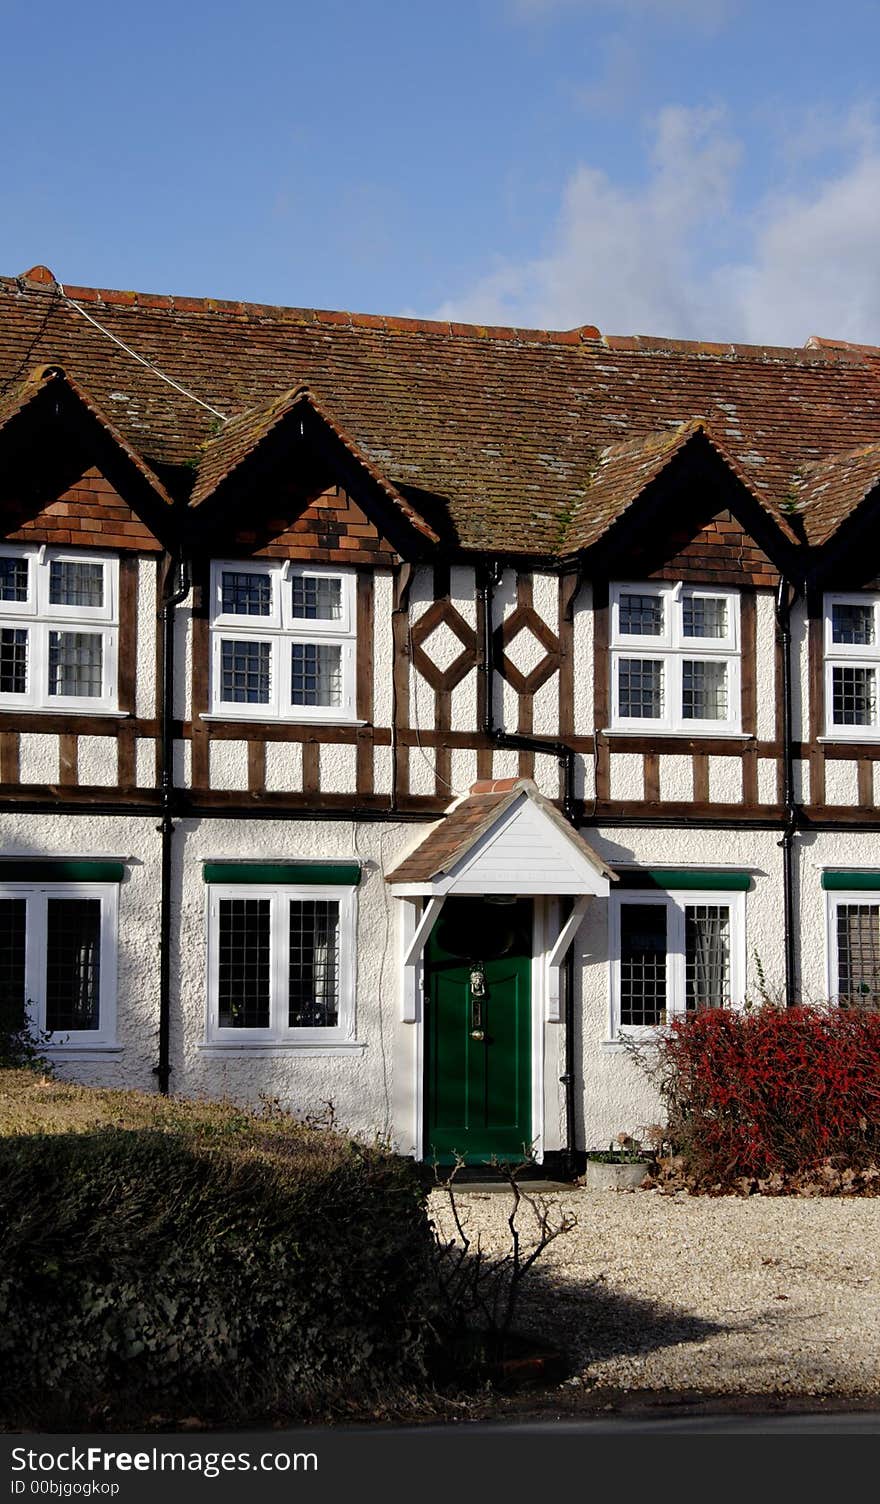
column 477, row 1034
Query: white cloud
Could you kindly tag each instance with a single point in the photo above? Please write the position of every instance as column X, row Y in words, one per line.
column 647, row 261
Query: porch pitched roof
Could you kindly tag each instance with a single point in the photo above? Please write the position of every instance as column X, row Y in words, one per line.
column 444, row 853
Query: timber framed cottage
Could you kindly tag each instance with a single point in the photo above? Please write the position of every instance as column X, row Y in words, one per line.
column 402, row 714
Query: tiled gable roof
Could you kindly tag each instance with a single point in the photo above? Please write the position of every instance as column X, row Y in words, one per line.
column 625, row 470
column 830, row 490
column 242, row 436
column 471, row 817
column 39, row 380
column 502, row 429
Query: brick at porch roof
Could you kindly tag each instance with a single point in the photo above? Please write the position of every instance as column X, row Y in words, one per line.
column 502, row 430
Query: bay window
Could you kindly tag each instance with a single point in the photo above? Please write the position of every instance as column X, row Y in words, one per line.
column 675, row 659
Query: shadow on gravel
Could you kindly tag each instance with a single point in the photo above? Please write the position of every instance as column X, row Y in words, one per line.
column 590, row 1322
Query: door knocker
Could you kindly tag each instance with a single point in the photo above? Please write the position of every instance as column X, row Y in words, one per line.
column 478, row 990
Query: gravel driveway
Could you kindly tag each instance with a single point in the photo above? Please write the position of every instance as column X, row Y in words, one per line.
column 724, row 1295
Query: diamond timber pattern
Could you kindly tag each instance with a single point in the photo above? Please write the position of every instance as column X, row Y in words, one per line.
column 526, row 619
column 443, row 613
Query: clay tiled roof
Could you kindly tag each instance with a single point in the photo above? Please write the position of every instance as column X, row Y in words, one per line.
column 832, row 489
column 236, row 440
column 43, row 377
column 468, row 819
column 624, row 471
column 503, row 429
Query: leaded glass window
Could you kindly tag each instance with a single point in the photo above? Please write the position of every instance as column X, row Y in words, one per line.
column 73, row 963
column 76, row 661
column 640, row 687
column 642, row 964
column 316, row 673
column 245, row 593
column 76, row 583
column 854, row 695
column 707, row 955
column 245, row 672
column 245, row 963
column 13, row 661
column 314, row 964
column 858, row 954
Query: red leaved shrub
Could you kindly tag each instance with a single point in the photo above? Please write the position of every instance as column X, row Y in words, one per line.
column 771, row 1092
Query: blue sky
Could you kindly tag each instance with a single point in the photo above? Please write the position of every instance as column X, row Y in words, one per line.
column 702, row 168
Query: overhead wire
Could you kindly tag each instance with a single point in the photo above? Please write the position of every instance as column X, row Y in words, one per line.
column 142, row 359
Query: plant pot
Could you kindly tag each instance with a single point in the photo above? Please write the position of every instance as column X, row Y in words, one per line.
column 625, row 1176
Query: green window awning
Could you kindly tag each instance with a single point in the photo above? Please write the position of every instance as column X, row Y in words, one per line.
column 337, row 874
column 692, row 878
column 858, row 881
column 60, row 870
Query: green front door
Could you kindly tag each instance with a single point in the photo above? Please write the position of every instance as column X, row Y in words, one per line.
column 478, row 1031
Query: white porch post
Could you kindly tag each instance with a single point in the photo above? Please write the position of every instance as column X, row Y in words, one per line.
column 557, row 954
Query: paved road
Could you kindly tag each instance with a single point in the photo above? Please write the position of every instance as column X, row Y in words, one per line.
column 857, row 1424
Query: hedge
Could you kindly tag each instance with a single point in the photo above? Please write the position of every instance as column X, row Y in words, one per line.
column 205, row 1260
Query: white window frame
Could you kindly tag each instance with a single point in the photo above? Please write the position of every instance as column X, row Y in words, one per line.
column 36, row 959
column 40, row 617
column 279, row 1031
column 675, row 902
column 280, row 630
column 671, row 648
column 850, row 655
column 869, row 897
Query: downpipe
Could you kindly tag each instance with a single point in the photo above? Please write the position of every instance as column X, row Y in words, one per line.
column 786, row 596
column 172, row 599
column 486, row 585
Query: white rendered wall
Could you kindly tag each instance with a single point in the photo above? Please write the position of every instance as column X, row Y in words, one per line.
column 616, row 1097
column 361, row 1082
column 147, row 634
column 765, row 676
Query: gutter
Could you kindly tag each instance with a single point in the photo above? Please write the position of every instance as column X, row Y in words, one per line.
column 786, row 596
column 172, row 598
column 487, row 581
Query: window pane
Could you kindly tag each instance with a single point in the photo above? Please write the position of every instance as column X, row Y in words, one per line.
column 858, row 953
column 244, row 973
column 13, row 579
column 853, row 696
column 640, row 685
column 76, row 662
column 73, row 963
column 245, row 672
column 704, row 616
column 707, row 955
column 317, row 598
column 314, row 964
column 642, row 963
column 13, row 661
column 641, row 615
column 316, row 674
column 13, row 923
column 246, row 594
column 852, row 624
column 704, row 691
column 76, row 584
